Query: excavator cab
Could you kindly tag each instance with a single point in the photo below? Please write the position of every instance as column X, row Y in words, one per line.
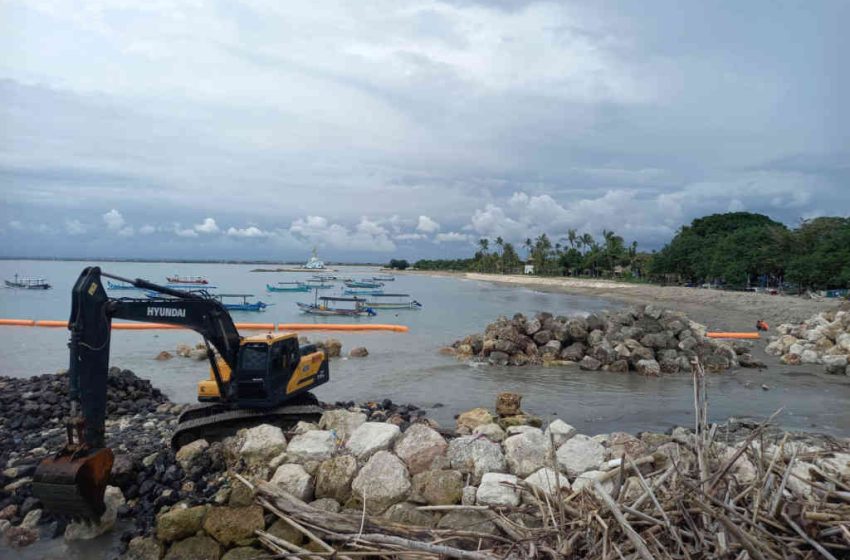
column 271, row 369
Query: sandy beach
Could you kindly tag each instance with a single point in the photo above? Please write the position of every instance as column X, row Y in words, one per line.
column 718, row 309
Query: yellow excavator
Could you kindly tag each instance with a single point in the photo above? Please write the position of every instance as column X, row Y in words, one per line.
column 264, row 378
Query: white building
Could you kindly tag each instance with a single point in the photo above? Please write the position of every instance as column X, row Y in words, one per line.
column 528, row 269
column 314, row 263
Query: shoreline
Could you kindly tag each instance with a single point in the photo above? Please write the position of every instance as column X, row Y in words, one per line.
column 718, row 309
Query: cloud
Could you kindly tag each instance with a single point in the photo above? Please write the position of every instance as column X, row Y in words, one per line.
column 207, row 226
column 127, row 231
column 250, row 231
column 113, row 220
column 147, row 229
column 452, row 237
column 75, row 227
column 427, row 225
column 367, row 235
column 184, row 232
column 409, row 236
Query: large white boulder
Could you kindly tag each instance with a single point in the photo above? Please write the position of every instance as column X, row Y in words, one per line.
column 419, row 446
column 475, row 455
column 295, row 480
column 262, row 443
column 382, row 482
column 315, row 445
column 372, row 437
column 580, row 454
column 526, row 452
column 342, row 422
column 809, row 357
column 843, row 341
column 498, row 489
column 586, row 479
column 560, row 431
column 548, row 481
column 835, row 365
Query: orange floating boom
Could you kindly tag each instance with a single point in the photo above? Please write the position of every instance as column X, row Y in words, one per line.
column 242, row 326
column 744, row 335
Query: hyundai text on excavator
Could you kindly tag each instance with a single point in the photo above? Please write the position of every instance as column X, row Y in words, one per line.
column 264, row 378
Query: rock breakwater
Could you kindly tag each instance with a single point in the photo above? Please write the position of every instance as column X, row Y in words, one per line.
column 822, row 339
column 646, row 339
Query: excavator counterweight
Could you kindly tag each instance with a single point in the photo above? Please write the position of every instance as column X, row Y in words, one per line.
column 254, row 379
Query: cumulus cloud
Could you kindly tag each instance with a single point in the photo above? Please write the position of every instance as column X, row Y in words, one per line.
column 207, row 226
column 126, row 231
column 75, row 227
column 452, row 237
column 427, row 225
column 409, row 236
column 147, row 229
column 114, row 220
column 184, row 232
column 367, row 235
column 250, row 231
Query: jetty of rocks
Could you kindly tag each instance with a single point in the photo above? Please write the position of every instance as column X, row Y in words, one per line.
column 822, row 339
column 646, row 339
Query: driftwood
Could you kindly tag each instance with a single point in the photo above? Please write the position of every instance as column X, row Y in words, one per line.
column 689, row 504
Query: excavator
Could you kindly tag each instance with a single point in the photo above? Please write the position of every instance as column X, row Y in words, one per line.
column 263, row 378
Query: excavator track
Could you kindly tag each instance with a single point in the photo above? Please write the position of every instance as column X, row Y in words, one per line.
column 215, row 422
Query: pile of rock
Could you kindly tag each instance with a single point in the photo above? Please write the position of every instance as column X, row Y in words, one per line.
column 645, row 339
column 347, row 464
column 823, row 339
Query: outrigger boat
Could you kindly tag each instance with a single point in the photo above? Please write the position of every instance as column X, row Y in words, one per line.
column 28, row 283
column 383, row 278
column 316, row 285
column 244, row 306
column 321, row 278
column 288, row 287
column 177, row 279
column 362, row 291
column 322, row 306
column 363, row 284
column 392, row 301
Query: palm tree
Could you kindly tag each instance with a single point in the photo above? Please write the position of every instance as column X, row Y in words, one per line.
column 500, row 261
column 484, row 243
column 528, row 246
column 572, row 237
column 587, row 240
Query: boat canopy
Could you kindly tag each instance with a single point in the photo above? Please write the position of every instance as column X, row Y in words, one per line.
column 329, row 298
column 390, row 295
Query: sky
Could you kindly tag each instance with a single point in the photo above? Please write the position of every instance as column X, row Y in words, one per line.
column 259, row 129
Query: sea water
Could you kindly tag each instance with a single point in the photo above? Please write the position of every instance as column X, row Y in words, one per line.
column 408, row 367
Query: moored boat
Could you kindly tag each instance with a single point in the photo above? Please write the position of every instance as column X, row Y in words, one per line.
column 363, row 284
column 392, row 301
column 288, row 287
column 28, row 283
column 117, row 286
column 383, row 278
column 177, row 279
column 324, row 306
column 362, row 291
column 245, row 305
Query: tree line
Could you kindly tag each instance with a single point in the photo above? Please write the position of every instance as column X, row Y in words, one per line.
column 735, row 250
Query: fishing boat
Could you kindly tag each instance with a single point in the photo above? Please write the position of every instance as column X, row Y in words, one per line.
column 321, row 278
column 177, row 279
column 363, row 284
column 325, row 306
column 316, row 285
column 383, row 278
column 362, row 291
column 28, row 283
column 245, row 305
column 288, row 287
column 392, row 301
column 117, row 286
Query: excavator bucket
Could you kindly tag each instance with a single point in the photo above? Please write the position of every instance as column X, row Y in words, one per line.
column 73, row 485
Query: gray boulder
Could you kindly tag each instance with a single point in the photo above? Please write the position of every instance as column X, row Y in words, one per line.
column 835, row 365
column 334, row 478
column 648, row 367
column 560, row 431
column 194, row 548
column 382, row 482
column 526, row 452
column 492, row 431
column 548, row 481
column 262, row 443
column 341, row 422
column 579, row 454
column 420, row 446
column 574, row 352
column 476, row 456
column 315, row 445
column 295, row 480
column 589, row 363
column 187, row 454
column 498, row 489
column 372, row 437
column 437, row 488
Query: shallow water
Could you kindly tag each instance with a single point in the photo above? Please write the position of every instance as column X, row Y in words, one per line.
column 408, row 367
